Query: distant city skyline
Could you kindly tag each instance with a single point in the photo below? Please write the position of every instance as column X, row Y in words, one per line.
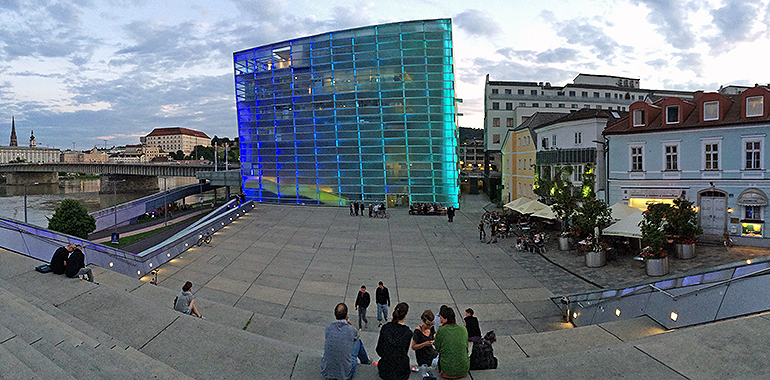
column 112, row 72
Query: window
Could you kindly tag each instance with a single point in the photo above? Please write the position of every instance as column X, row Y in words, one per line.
column 573, row 105
column 522, row 104
column 495, row 105
column 533, row 92
column 548, row 105
column 711, row 152
column 495, row 91
column 578, row 137
column 544, row 143
column 578, row 172
column 520, row 92
column 637, row 156
column 584, row 94
column 496, row 122
column 638, row 118
column 508, row 106
column 672, row 157
column 598, row 107
column 553, row 140
column 509, row 122
column 710, row 111
column 672, row 114
column 562, row 105
column 572, row 93
column 596, row 94
column 535, row 104
column 752, row 212
column 586, row 106
column 519, row 141
column 609, row 108
column 753, row 154
column 634, row 97
column 495, row 139
column 608, row 95
column 754, row 106
column 507, row 91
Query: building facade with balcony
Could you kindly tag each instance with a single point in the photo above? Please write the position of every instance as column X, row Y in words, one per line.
column 172, row 139
column 709, row 149
column 361, row 114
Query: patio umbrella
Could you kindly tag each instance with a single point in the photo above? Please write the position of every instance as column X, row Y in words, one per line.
column 627, row 227
column 530, row 207
column 545, row 213
column 518, row 201
column 620, row 211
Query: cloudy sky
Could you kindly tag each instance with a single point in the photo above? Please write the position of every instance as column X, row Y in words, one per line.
column 96, row 72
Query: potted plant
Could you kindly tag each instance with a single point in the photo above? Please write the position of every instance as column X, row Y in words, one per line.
column 560, row 194
column 595, row 252
column 683, row 228
column 653, row 227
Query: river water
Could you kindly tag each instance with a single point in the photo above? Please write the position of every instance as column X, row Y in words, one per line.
column 43, row 199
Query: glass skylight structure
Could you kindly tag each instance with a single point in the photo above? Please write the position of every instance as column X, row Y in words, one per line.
column 361, row 114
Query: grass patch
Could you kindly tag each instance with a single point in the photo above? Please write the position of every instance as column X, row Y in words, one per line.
column 128, row 240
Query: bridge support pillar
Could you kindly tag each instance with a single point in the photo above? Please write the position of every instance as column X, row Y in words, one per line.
column 30, row 178
column 123, row 183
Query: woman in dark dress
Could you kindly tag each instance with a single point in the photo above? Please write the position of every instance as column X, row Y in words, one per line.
column 422, row 340
column 393, row 346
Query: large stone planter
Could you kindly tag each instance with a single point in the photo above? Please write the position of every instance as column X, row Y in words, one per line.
column 596, row 259
column 564, row 243
column 685, row 251
column 656, row 267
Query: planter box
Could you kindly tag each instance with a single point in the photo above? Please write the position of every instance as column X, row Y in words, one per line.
column 656, row 267
column 596, row 259
column 564, row 243
column 685, row 251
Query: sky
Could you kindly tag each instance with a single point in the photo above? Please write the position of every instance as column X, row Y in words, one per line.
column 88, row 73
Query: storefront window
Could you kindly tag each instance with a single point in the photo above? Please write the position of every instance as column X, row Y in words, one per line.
column 751, row 229
column 752, row 212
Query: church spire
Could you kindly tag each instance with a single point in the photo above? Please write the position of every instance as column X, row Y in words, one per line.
column 32, row 140
column 13, row 132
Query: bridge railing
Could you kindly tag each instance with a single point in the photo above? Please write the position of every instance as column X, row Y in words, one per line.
column 718, row 293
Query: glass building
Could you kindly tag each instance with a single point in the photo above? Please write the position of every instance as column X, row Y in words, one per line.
column 361, row 114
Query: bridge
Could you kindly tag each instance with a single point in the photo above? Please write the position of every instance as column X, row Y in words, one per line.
column 126, row 177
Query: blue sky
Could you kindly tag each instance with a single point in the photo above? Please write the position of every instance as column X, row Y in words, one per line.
column 109, row 71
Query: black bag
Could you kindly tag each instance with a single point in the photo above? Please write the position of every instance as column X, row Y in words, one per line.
column 174, row 306
column 482, row 354
column 45, row 268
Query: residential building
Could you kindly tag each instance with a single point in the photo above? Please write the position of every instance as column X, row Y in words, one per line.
column 709, row 149
column 32, row 153
column 361, row 114
column 508, row 104
column 576, row 140
column 90, row 156
column 173, row 139
column 471, row 154
column 519, row 154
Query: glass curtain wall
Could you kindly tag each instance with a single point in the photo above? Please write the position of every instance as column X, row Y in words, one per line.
column 362, row 114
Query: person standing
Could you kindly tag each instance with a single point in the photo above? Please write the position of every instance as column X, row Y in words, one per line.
column 450, row 213
column 76, row 266
column 355, row 207
column 362, row 302
column 351, row 207
column 59, row 258
column 472, row 325
column 393, row 346
column 382, row 299
column 452, row 346
column 482, row 233
column 185, row 303
column 342, row 346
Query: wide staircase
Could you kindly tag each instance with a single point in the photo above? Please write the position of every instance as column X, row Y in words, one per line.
column 53, row 327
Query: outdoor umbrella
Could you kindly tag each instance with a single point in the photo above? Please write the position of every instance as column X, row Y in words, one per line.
column 518, row 201
column 620, row 211
column 545, row 213
column 627, row 227
column 530, row 207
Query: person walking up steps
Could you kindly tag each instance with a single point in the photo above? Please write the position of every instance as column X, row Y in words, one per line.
column 362, row 302
column 382, row 298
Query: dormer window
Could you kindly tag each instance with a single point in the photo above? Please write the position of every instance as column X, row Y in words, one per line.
column 672, row 114
column 638, row 118
column 710, row 111
column 755, row 106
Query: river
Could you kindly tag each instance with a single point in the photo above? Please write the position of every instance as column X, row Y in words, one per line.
column 43, row 199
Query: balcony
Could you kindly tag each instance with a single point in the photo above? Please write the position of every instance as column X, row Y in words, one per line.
column 566, row 156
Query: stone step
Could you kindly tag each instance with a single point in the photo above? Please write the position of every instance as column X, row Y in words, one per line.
column 41, row 366
column 13, row 368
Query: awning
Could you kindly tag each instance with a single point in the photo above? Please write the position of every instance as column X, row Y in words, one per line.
column 752, row 197
column 619, row 211
column 516, row 202
column 628, row 227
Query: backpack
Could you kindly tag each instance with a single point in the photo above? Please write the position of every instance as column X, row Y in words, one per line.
column 43, row 268
column 482, row 354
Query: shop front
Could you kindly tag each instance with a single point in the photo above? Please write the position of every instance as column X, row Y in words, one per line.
column 642, row 197
column 750, row 213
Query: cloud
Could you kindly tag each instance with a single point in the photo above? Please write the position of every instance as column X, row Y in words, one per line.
column 690, row 62
column 658, row 63
column 670, row 16
column 558, row 55
column 578, row 32
column 514, row 71
column 477, row 23
column 734, row 21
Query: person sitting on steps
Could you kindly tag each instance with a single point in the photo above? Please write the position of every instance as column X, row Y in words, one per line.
column 185, row 303
column 76, row 266
column 59, row 259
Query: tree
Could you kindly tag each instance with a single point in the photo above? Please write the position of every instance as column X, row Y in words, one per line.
column 592, row 212
column 72, row 218
column 178, row 155
column 653, row 228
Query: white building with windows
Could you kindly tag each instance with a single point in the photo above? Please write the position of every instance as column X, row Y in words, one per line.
column 173, row 139
column 507, row 104
column 708, row 149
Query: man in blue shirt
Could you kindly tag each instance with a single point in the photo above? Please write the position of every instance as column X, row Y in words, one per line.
column 341, row 347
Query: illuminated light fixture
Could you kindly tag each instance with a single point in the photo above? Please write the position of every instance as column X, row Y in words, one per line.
column 138, row 272
column 111, row 264
column 150, row 265
column 674, row 316
column 574, row 315
column 200, row 236
column 168, row 254
column 185, row 244
column 730, row 210
column 617, row 312
column 748, row 261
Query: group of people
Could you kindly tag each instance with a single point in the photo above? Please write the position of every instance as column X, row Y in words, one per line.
column 70, row 261
column 375, row 209
column 531, row 242
column 438, row 342
column 426, row 209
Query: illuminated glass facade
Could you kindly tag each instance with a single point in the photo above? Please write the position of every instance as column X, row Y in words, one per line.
column 361, row 114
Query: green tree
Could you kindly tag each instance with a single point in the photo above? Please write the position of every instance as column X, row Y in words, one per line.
column 72, row 218
column 178, row 155
column 653, row 228
column 592, row 212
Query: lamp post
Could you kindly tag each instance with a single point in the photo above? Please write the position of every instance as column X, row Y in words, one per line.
column 25, row 201
column 115, row 209
column 165, row 203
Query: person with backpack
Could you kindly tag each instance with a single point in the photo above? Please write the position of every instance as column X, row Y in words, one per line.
column 482, row 354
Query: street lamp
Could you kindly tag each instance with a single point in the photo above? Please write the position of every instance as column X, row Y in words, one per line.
column 115, row 212
column 25, row 201
column 165, row 202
